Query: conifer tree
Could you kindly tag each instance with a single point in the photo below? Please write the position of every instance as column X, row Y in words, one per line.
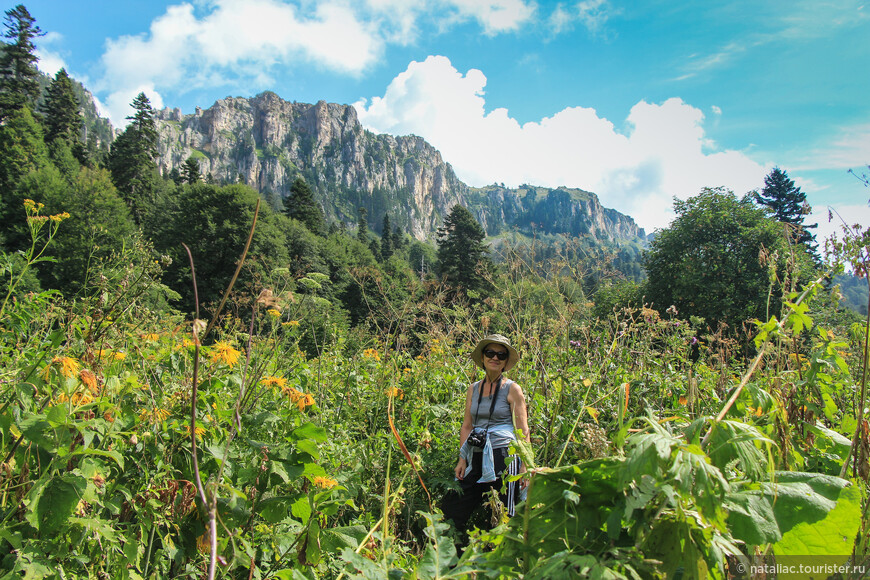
column 362, row 226
column 131, row 160
column 302, row 206
column 19, row 77
column 462, row 255
column 63, row 121
column 788, row 204
column 190, row 171
column 386, row 239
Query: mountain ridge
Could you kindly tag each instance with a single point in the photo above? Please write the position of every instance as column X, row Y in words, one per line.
column 266, row 142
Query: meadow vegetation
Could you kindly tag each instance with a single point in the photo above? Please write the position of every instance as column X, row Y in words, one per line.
column 198, row 380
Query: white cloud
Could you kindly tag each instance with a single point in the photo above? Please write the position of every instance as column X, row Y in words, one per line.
column 849, row 148
column 662, row 153
column 592, row 14
column 494, row 15
column 849, row 215
column 237, row 40
column 50, row 61
column 240, row 43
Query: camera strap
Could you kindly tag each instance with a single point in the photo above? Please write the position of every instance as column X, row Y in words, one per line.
column 492, row 403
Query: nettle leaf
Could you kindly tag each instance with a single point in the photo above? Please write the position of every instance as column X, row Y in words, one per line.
column 58, row 502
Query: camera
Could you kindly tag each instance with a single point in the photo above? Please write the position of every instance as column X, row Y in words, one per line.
column 477, row 437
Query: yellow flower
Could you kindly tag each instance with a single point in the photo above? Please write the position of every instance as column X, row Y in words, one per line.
column 224, row 352
column 395, row 392
column 76, row 399
column 273, row 382
column 273, row 313
column 89, row 379
column 683, row 400
column 292, row 393
column 200, row 431
column 324, row 482
column 305, row 400
column 372, row 354
column 151, row 337
column 57, row 218
column 154, row 416
column 290, row 323
column 69, row 367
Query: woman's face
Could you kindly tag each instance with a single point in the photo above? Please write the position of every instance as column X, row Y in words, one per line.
column 491, row 362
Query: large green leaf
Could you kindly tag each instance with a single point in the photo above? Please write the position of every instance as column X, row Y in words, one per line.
column 57, row 503
column 833, row 534
column 800, row 513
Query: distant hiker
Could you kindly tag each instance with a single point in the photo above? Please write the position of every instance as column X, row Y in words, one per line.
column 494, row 407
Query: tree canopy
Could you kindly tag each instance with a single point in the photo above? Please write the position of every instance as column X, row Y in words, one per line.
column 462, row 254
column 19, row 77
column 302, row 206
column 788, row 205
column 711, row 261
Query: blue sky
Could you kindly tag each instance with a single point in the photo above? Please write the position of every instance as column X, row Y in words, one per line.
column 638, row 101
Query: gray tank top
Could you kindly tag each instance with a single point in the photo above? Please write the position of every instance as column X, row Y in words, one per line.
column 501, row 414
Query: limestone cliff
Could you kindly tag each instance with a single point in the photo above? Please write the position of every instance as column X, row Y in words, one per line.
column 266, row 142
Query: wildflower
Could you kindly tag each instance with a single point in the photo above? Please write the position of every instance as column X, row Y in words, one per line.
column 273, row 382
column 89, row 379
column 306, row 400
column 224, row 352
column 203, row 543
column 395, row 392
column 672, row 310
column 324, row 482
column 154, row 416
column 290, row 323
column 273, row 313
column 200, row 431
column 587, row 383
column 406, row 370
column 151, row 337
column 372, row 354
column 57, row 218
column 683, row 400
column 292, row 393
column 69, row 367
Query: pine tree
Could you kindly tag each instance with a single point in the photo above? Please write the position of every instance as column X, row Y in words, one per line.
column 362, row 226
column 462, row 255
column 63, row 120
column 131, row 160
column 788, row 204
column 19, row 77
column 386, row 239
column 190, row 171
column 302, row 206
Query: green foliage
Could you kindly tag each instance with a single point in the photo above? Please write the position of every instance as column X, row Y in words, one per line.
column 19, row 77
column 462, row 255
column 302, row 206
column 132, row 159
column 24, row 150
column 720, row 259
column 788, row 205
column 63, row 121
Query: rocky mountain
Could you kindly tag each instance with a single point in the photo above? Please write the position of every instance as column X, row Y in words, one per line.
column 266, row 142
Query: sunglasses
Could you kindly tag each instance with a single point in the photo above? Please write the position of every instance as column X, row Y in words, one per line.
column 500, row 355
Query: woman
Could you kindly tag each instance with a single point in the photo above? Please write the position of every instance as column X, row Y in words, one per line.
column 494, row 408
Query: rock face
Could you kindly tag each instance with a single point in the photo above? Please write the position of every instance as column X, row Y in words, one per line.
column 267, row 142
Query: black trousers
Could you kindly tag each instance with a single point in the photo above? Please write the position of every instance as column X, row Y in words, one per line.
column 460, row 505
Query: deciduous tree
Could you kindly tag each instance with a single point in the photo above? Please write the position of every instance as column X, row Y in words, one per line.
column 711, row 261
